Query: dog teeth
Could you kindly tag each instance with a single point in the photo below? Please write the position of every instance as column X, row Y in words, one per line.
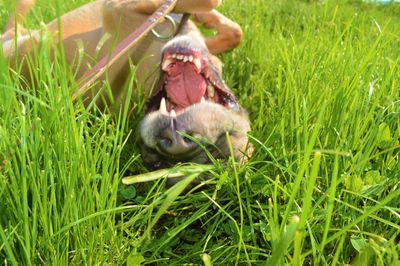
column 163, row 107
column 203, row 100
column 172, row 114
column 197, row 63
column 210, row 91
column 166, row 63
column 188, row 58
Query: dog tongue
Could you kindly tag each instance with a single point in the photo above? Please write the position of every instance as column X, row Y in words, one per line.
column 184, row 86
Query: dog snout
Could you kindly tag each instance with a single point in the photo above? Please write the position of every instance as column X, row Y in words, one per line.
column 175, row 143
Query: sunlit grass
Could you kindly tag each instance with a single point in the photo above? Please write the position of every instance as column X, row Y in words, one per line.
column 320, row 80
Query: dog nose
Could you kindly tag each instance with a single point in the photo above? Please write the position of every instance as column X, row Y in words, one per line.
column 174, row 143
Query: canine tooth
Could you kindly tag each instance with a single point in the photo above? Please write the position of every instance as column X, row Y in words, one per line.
column 191, row 58
column 163, row 107
column 179, row 57
column 172, row 114
column 210, row 91
column 197, row 63
column 203, row 100
column 166, row 63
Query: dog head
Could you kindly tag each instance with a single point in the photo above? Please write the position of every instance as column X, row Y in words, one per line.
column 192, row 115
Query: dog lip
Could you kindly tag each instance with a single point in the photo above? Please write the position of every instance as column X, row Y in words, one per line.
column 178, row 157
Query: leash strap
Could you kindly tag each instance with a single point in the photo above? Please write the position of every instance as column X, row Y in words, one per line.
column 184, row 20
column 123, row 47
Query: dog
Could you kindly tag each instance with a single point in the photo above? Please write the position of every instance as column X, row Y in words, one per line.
column 192, row 115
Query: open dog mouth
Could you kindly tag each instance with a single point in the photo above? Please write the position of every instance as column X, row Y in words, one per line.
column 188, row 77
column 191, row 110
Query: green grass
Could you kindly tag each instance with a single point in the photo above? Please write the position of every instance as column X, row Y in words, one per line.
column 320, row 80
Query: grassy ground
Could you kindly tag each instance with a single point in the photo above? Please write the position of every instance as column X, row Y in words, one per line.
column 321, row 82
